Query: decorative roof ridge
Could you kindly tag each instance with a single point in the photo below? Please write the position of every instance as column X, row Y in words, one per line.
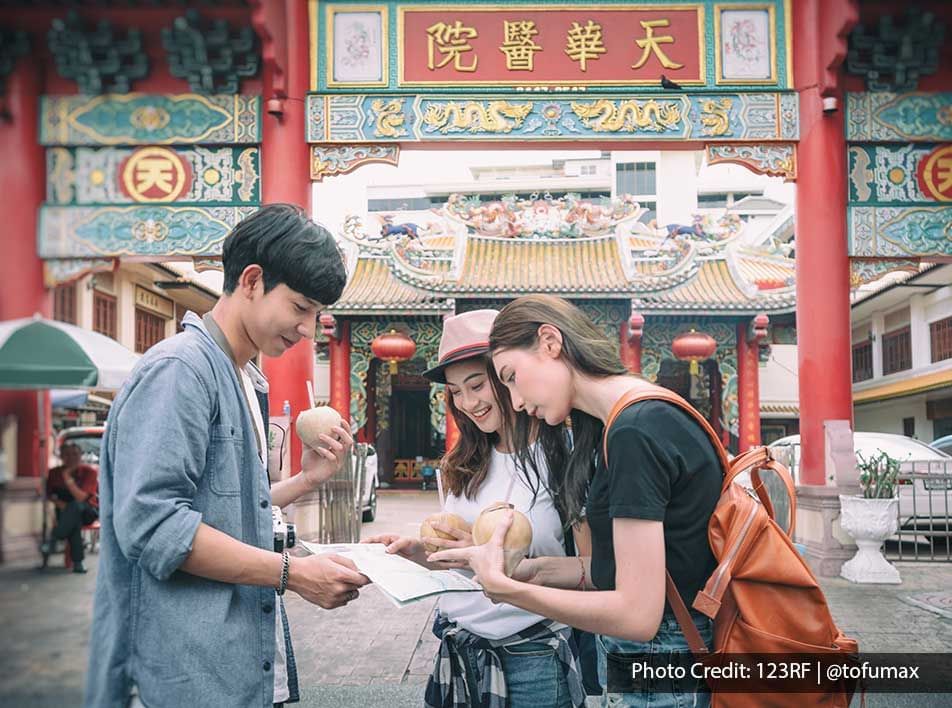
column 748, row 251
column 546, row 239
column 773, row 305
column 685, row 269
column 413, row 276
column 729, row 256
column 402, row 266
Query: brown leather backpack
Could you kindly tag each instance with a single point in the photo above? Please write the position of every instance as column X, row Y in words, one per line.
column 762, row 596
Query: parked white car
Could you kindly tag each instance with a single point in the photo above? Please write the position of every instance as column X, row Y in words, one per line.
column 371, row 482
column 923, row 503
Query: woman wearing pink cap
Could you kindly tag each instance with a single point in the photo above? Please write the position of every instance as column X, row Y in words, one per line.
column 494, row 654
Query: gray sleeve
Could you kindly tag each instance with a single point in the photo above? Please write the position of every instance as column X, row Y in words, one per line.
column 160, row 438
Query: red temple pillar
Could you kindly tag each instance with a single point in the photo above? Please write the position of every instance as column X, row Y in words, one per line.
column 452, row 430
column 22, row 288
column 823, row 303
column 748, row 381
column 631, row 332
column 340, row 369
column 285, row 177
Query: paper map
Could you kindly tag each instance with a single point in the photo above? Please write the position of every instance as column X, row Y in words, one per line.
column 401, row 580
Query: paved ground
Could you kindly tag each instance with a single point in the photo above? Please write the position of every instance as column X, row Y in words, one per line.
column 371, row 654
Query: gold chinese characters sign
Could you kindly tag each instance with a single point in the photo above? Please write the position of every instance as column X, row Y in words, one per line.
column 525, row 46
column 157, row 304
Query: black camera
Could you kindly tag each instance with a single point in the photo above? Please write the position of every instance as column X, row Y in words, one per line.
column 284, row 533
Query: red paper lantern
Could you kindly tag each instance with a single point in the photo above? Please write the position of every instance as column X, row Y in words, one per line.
column 393, row 348
column 694, row 347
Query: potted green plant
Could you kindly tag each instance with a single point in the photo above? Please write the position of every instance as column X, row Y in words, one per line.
column 870, row 518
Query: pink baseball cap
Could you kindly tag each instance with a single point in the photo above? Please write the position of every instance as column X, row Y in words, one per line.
column 464, row 336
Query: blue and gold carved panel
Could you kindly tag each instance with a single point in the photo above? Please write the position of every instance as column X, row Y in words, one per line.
column 907, row 117
column 144, row 230
column 914, row 173
column 150, row 119
column 93, row 176
column 900, row 231
column 332, row 160
column 425, row 118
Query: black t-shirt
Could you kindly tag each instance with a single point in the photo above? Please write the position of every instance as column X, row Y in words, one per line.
column 662, row 467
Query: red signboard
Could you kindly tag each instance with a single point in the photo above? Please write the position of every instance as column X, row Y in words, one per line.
column 623, row 45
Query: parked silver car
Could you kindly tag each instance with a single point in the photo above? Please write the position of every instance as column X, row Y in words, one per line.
column 943, row 444
column 370, row 485
column 924, row 503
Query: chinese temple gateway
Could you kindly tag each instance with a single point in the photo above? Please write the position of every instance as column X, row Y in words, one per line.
column 666, row 299
column 137, row 131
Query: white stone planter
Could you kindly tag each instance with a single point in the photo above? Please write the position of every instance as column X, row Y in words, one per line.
column 869, row 522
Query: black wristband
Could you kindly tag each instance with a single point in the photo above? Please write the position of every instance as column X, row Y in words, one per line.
column 285, row 570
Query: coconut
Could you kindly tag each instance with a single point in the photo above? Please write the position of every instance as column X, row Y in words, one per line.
column 444, row 519
column 314, row 422
column 518, row 538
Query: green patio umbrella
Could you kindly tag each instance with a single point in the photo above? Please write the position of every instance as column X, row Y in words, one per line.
column 37, row 354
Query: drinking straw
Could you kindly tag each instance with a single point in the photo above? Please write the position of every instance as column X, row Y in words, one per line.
column 310, row 392
column 512, row 483
column 439, row 488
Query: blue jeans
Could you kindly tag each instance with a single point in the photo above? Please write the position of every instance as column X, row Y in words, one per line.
column 534, row 678
column 661, row 694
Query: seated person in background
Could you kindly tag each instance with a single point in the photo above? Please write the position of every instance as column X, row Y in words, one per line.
column 73, row 488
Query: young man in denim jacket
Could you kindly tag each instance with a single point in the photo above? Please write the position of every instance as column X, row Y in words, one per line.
column 185, row 608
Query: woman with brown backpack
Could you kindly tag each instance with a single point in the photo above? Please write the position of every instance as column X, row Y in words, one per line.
column 648, row 509
column 669, row 527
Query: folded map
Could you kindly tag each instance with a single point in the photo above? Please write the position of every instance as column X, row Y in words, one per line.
column 401, row 580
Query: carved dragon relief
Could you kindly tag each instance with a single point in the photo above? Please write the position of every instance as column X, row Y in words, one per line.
column 476, row 117
column 715, row 116
column 390, row 120
column 607, row 116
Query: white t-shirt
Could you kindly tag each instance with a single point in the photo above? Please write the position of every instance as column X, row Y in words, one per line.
column 281, row 692
column 473, row 611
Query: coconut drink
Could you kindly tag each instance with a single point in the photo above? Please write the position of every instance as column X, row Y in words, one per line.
column 444, row 518
column 314, row 422
column 518, row 538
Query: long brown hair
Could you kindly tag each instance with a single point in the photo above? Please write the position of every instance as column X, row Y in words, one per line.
column 464, row 468
column 586, row 350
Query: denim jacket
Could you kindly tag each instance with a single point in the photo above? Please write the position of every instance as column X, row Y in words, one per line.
column 180, row 450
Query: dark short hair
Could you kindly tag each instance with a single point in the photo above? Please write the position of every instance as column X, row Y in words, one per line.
column 290, row 248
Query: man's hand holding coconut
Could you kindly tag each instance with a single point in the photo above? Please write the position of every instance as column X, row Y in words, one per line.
column 326, row 442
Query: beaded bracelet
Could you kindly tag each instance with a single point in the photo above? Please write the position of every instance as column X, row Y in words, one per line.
column 285, row 570
column 581, row 581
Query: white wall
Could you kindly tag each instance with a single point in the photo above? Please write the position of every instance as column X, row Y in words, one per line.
column 84, row 302
column 778, row 379
column 677, row 188
column 322, row 380
column 125, row 310
column 938, row 304
column 886, row 416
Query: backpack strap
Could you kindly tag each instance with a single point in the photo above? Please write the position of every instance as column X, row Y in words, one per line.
column 657, row 393
column 688, row 628
column 755, row 459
